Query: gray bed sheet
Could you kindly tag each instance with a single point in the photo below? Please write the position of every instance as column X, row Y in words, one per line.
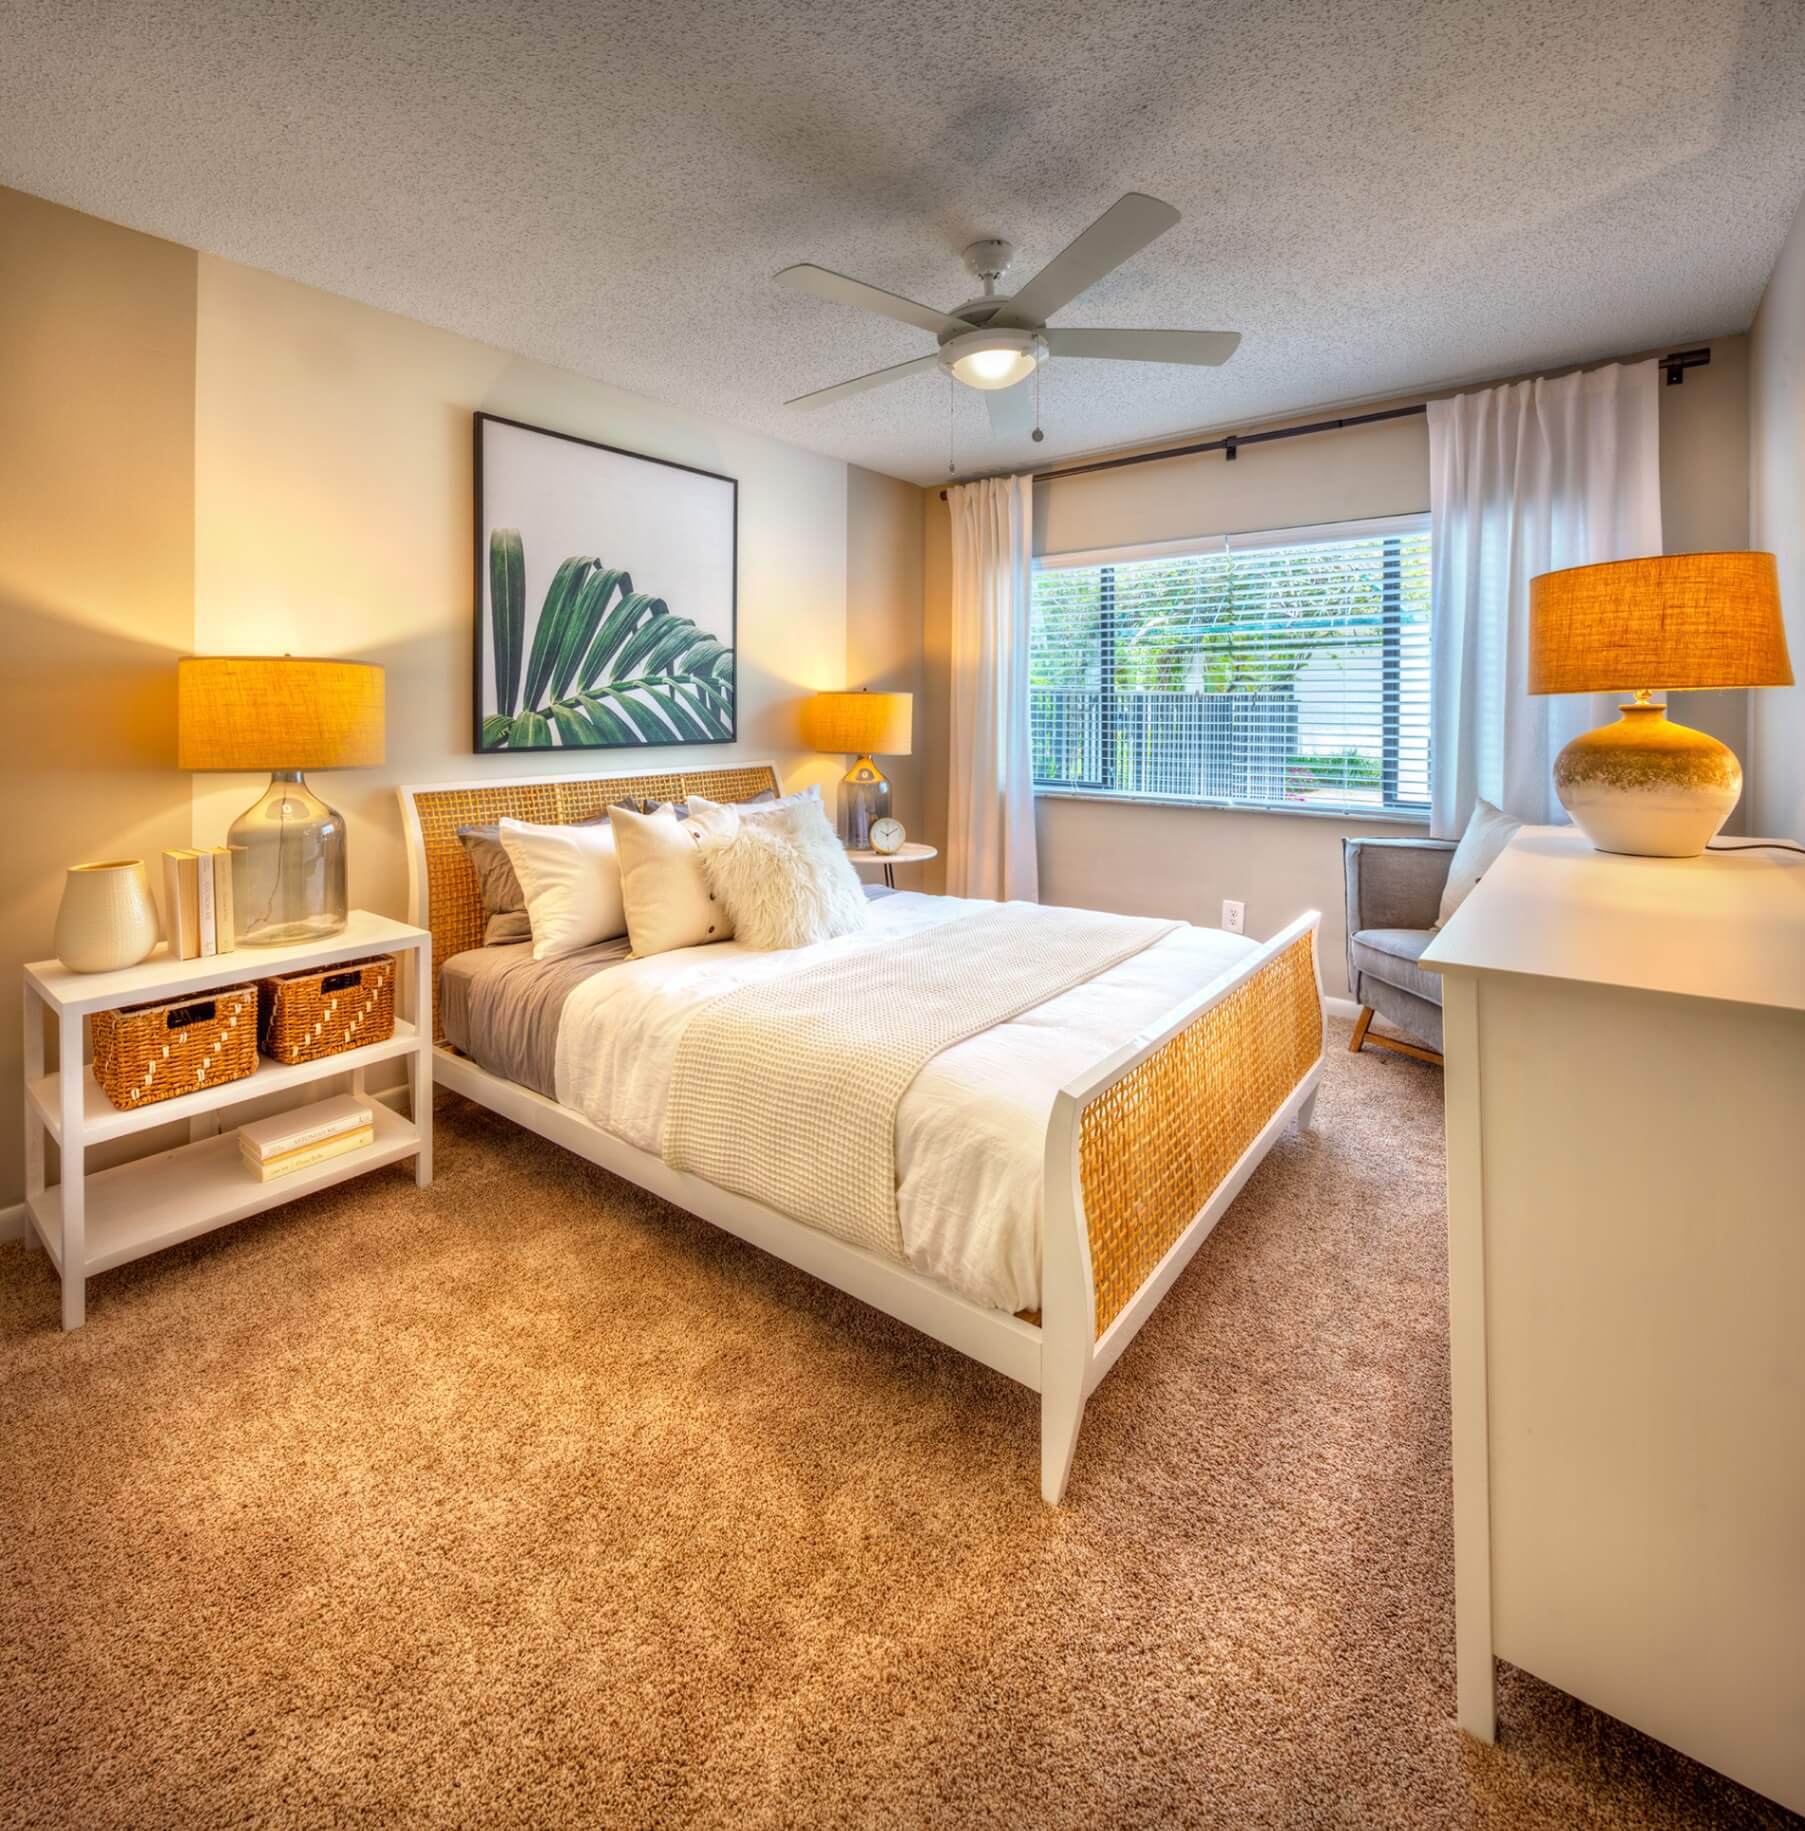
column 501, row 1007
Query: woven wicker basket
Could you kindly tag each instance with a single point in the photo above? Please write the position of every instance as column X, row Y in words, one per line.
column 150, row 1052
column 326, row 1010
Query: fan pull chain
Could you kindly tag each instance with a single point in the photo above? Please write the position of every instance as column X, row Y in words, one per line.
column 1038, row 434
column 949, row 426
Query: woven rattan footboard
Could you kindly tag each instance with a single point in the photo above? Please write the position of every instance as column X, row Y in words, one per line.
column 1147, row 1150
column 1154, row 1146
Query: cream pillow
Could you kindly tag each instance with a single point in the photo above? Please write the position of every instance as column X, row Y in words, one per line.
column 1487, row 834
column 668, row 900
column 570, row 877
column 784, row 878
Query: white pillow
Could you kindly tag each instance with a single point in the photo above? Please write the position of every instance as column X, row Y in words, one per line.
column 761, row 804
column 668, row 900
column 1487, row 834
column 803, row 797
column 570, row 878
column 783, row 876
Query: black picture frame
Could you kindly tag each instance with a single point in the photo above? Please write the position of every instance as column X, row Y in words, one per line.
column 696, row 705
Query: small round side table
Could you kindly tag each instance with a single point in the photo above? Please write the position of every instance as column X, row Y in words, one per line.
column 909, row 853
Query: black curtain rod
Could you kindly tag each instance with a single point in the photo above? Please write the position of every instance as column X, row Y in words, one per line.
column 1675, row 367
column 1231, row 444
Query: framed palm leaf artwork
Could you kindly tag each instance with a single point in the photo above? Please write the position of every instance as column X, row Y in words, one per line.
column 606, row 588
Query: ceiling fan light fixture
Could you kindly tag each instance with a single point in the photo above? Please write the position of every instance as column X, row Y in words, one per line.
column 992, row 359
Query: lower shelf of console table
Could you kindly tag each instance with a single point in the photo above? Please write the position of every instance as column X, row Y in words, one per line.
column 160, row 1201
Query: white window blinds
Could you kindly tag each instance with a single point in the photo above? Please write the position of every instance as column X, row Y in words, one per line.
column 1281, row 670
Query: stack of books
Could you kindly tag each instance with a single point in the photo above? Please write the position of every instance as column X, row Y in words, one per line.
column 305, row 1136
column 197, row 902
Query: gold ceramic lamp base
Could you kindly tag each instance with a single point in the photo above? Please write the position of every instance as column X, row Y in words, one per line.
column 1647, row 786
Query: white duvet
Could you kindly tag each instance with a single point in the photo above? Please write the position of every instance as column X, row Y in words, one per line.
column 970, row 1131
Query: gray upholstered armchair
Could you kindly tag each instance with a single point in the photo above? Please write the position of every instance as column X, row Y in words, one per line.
column 1394, row 890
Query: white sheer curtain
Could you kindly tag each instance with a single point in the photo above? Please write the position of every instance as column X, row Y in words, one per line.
column 990, row 811
column 1525, row 479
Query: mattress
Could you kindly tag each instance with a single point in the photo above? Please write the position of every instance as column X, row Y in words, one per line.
column 970, row 1131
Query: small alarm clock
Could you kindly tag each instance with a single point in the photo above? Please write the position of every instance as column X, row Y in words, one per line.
column 887, row 836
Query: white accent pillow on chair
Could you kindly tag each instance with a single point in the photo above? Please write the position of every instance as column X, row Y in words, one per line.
column 1487, row 834
column 785, row 879
column 669, row 902
column 570, row 878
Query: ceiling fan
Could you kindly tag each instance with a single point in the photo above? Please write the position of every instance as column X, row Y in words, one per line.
column 998, row 339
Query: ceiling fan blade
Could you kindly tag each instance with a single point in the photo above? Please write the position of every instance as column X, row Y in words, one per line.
column 1119, row 234
column 840, row 290
column 878, row 378
column 1208, row 349
column 1011, row 410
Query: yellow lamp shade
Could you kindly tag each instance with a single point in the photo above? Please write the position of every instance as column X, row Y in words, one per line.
column 1680, row 620
column 278, row 712
column 859, row 724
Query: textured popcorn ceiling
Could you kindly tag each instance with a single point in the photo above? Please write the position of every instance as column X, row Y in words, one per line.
column 1380, row 196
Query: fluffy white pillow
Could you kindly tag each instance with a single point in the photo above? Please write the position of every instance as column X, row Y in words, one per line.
column 1487, row 834
column 669, row 902
column 783, row 876
column 570, row 878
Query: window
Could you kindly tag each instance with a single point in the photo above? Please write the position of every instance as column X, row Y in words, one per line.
column 1282, row 670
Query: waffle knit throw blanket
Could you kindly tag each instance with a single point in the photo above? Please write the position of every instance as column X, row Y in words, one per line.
column 786, row 1091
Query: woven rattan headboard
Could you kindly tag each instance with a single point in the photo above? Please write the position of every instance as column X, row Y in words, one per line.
column 444, row 894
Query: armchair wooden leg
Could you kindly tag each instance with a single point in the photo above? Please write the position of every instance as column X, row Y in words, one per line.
column 1417, row 1052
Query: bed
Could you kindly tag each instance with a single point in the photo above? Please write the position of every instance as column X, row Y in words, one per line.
column 1054, row 1173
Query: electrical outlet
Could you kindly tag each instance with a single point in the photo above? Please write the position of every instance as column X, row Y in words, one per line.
column 1234, row 917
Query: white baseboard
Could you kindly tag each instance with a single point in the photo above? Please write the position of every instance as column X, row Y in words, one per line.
column 1341, row 1007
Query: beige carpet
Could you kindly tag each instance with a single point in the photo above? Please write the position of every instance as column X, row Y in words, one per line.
column 530, row 1501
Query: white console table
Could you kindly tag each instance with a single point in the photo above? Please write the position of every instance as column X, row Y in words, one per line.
column 1625, row 1044
column 91, row 1221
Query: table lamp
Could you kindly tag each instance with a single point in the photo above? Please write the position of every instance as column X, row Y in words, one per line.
column 860, row 724
column 1645, row 785
column 286, row 714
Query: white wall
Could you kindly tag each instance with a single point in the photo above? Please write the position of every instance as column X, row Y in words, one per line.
column 333, row 517
column 1776, row 763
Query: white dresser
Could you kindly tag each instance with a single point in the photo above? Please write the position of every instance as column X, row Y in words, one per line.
column 1625, row 1042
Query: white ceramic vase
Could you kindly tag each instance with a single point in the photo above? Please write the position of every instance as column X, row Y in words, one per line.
column 107, row 919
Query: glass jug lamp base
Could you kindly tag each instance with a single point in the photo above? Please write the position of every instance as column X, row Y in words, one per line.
column 288, row 866
column 864, row 799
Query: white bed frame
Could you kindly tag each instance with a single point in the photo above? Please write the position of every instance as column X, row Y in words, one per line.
column 1063, row 1358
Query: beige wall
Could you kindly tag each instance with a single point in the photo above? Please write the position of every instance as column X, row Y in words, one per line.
column 884, row 525
column 1777, row 522
column 204, row 458
column 333, row 517
column 1183, row 861
column 96, row 569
